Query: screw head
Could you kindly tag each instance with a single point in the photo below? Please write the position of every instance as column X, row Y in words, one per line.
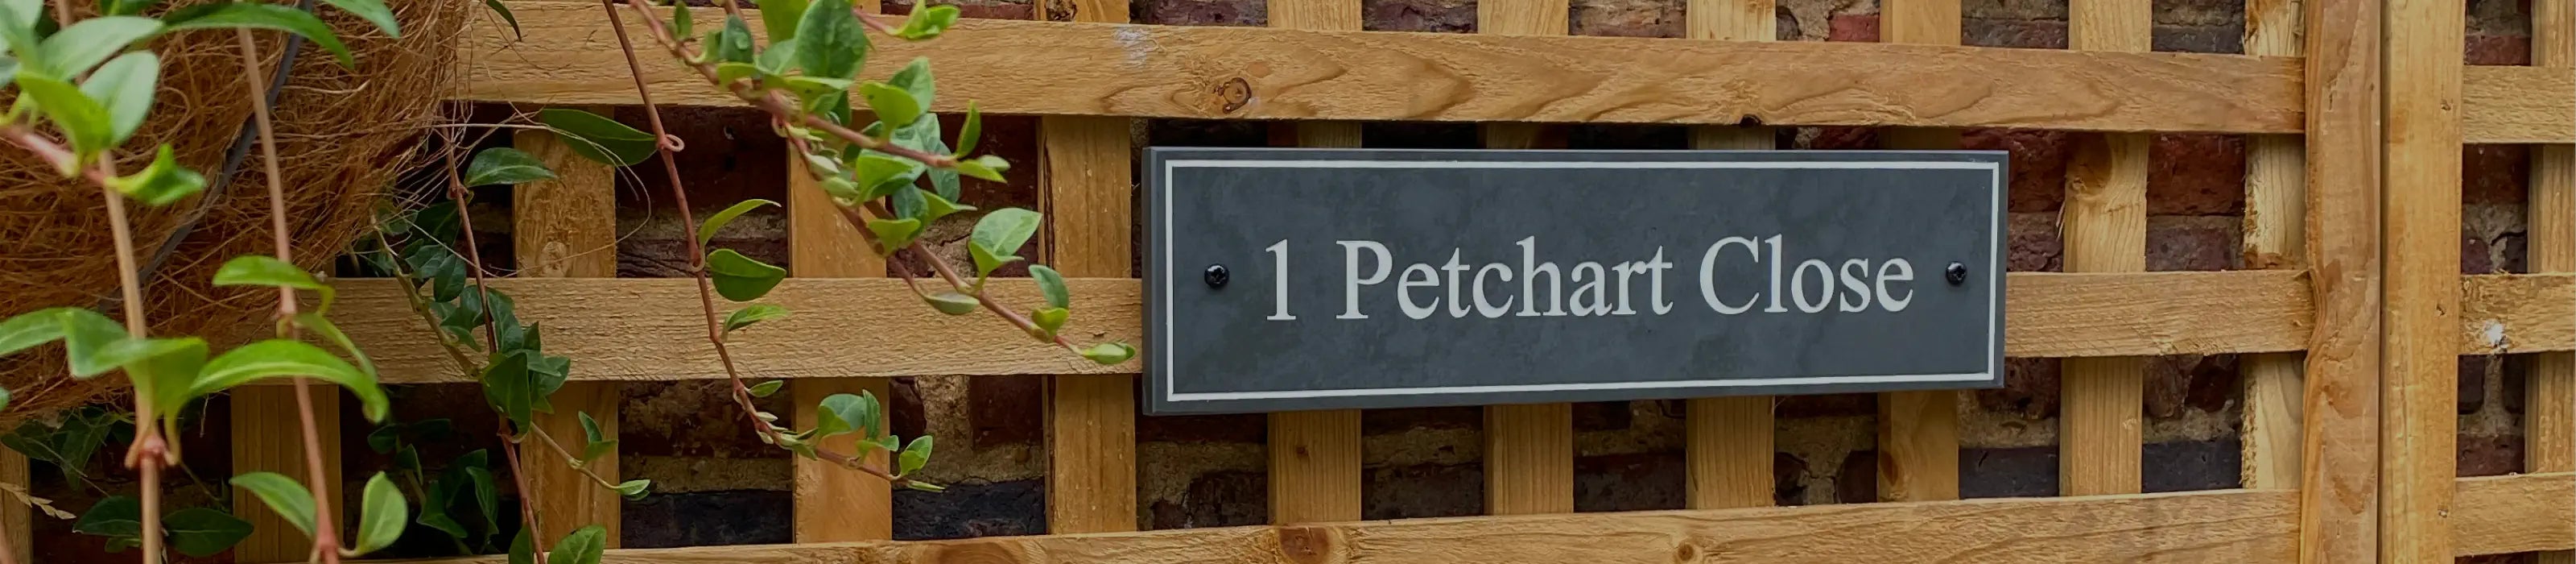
column 1956, row 273
column 1216, row 276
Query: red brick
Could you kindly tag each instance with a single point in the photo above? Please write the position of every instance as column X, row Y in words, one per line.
column 2495, row 174
column 1628, row 18
column 2194, row 243
column 2499, row 50
column 1843, row 138
column 2038, row 164
column 1202, row 12
column 1437, row 16
column 1852, row 27
column 2030, row 389
column 2032, row 243
column 2489, row 455
column 2179, row 383
column 2195, row 175
column 1007, row 410
column 2474, row 371
column 2027, row 34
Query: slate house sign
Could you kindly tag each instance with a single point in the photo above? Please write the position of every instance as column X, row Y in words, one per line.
column 1295, row 279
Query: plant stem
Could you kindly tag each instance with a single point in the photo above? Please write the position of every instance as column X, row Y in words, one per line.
column 148, row 448
column 768, row 100
column 326, row 542
column 527, row 494
column 456, row 191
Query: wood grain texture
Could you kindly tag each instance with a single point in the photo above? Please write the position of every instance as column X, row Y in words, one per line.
column 2214, row 526
column 1086, row 190
column 2420, row 388
column 2276, row 210
column 2504, row 104
column 16, row 519
column 567, row 228
column 1258, row 73
column 833, row 504
column 2505, row 514
column 2101, row 431
column 2517, row 313
column 1315, row 455
column 2549, row 415
column 1728, row 445
column 1918, row 431
column 1529, row 449
column 267, row 436
column 2339, row 442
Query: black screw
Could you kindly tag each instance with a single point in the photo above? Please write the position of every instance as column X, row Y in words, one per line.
column 1957, row 273
column 1216, row 276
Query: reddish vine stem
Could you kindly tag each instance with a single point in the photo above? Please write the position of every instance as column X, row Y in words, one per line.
column 767, row 99
column 456, row 191
column 326, row 542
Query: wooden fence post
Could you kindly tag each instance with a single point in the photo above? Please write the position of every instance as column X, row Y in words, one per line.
column 834, row 504
column 1529, row 449
column 2339, row 418
column 2421, row 385
column 16, row 519
column 1315, row 455
column 1086, row 190
column 1918, row 432
column 2105, row 227
column 568, row 228
column 2276, row 211
column 2549, row 425
column 268, row 436
column 1728, row 441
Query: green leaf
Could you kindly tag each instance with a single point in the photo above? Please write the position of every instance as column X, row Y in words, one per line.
column 487, row 490
column 163, row 368
column 583, row 546
column 842, row 414
column 883, row 174
column 988, row 167
column 935, row 206
column 886, row 442
column 4, row 399
column 264, row 270
column 523, row 548
column 595, row 444
column 504, row 165
column 161, row 182
column 779, row 58
column 914, row 78
column 283, row 495
column 974, row 128
column 598, row 138
column 1048, row 320
column 780, row 18
column 504, row 11
column 382, row 519
column 633, row 489
column 86, row 339
column 914, row 455
column 384, row 438
column 750, row 314
column 894, row 234
column 27, row 330
column 253, row 15
column 125, row 7
column 85, row 44
column 928, row 23
column 276, row 358
column 1109, row 353
column 1051, row 284
column 81, row 118
column 204, row 531
column 510, row 387
column 1005, row 230
column 116, row 516
column 707, row 231
column 733, row 44
column 894, row 106
column 924, row 486
column 835, row 43
column 953, row 303
column 766, row 389
column 815, row 88
column 987, row 261
column 375, row 12
column 680, row 21
column 125, row 86
column 313, row 321
column 741, row 278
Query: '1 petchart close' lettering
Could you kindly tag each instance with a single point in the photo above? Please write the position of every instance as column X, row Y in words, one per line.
column 1537, row 286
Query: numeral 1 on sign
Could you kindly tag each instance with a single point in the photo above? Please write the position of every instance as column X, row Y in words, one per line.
column 1279, row 277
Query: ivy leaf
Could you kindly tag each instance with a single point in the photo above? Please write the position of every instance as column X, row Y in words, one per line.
column 633, row 489
column 766, row 389
column 114, row 517
column 915, row 455
column 680, row 20
column 487, row 492
column 842, row 414
column 1051, row 284
column 382, row 520
column 375, row 12
column 254, row 15
column 504, row 165
column 598, row 138
column 504, row 11
column 952, row 303
column 264, row 270
column 895, row 233
column 75, row 49
column 86, row 338
column 595, row 444
column 988, row 167
column 986, row 260
column 276, row 358
column 283, row 495
column 313, row 321
column 707, row 231
column 509, row 386
column 750, row 314
column 935, row 206
column 836, row 44
column 581, row 547
column 161, row 182
column 733, row 44
column 974, row 128
column 894, row 106
column 883, row 174
column 204, row 531
column 1109, row 353
column 125, row 86
column 779, row 58
column 741, row 278
column 886, row 442
column 81, row 118
column 928, row 23
column 914, row 78
column 523, row 548
column 1048, row 320
column 1002, row 232
column 780, row 19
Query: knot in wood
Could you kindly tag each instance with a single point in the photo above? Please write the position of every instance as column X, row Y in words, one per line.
column 1305, row 545
column 1234, row 93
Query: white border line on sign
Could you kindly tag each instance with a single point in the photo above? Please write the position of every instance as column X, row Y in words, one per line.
column 1994, row 333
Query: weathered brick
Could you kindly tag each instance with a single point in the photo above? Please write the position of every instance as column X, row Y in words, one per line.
column 2032, row 243
column 1423, row 490
column 2194, row 242
column 1852, row 27
column 2199, row 12
column 2193, row 174
column 1007, row 410
column 2030, row 389
column 2515, row 371
column 970, row 510
column 1217, row 499
column 1437, row 16
column 2026, row 34
column 1837, row 138
column 2226, row 38
column 2489, row 455
column 2495, row 174
column 2189, row 382
column 1383, row 421
column 665, row 520
column 2192, row 466
column 1826, row 405
column 1630, row 482
column 2474, row 371
column 688, row 418
column 1628, row 18
column 1602, row 416
column 2014, row 9
column 2515, row 558
column 1787, row 484
column 2038, row 182
column 1221, row 428
column 1201, row 12
column 1856, row 480
column 2499, row 17
column 2498, row 50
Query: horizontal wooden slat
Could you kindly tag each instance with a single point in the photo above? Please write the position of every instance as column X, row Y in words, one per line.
column 649, row 329
column 2504, row 514
column 2518, row 105
column 1014, row 67
column 2518, row 313
column 2220, row 526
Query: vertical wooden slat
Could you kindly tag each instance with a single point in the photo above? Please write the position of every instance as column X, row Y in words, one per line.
column 1315, row 455
column 1529, row 449
column 1086, row 191
column 1729, row 440
column 268, row 436
column 834, row 504
column 568, row 228
column 16, row 519
column 2276, row 209
column 2339, row 442
column 2549, row 425
column 2424, row 46
column 1918, row 432
column 2105, row 224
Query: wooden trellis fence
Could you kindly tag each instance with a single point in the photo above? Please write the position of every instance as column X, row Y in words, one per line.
column 2353, row 317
